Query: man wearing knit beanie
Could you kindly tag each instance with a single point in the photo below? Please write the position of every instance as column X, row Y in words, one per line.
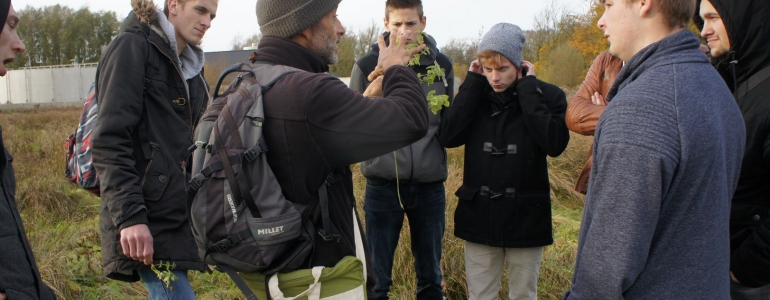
column 315, row 126
column 19, row 275
column 509, row 121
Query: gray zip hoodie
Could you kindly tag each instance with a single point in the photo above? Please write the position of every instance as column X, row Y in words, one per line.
column 667, row 155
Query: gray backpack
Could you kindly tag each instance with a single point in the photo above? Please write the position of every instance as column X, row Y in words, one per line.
column 240, row 218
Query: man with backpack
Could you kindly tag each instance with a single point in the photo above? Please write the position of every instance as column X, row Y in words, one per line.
column 19, row 275
column 316, row 127
column 150, row 95
column 421, row 168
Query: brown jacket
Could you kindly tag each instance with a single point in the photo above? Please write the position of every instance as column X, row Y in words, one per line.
column 582, row 115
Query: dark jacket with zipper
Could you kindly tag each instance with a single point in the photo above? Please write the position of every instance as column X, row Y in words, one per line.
column 425, row 160
column 19, row 275
column 147, row 113
column 505, row 197
column 315, row 125
column 746, row 70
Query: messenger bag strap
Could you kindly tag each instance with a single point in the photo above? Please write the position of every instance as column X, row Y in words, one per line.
column 752, row 82
column 323, row 202
column 239, row 282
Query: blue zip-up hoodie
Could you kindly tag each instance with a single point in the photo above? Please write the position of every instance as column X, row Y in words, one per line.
column 667, row 157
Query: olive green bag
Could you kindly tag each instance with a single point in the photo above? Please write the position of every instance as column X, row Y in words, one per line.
column 345, row 281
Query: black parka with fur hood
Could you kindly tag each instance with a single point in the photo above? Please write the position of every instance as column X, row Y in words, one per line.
column 746, row 70
column 150, row 99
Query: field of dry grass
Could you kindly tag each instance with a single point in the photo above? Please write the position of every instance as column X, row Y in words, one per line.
column 62, row 221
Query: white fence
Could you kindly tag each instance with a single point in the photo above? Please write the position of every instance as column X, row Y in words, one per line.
column 66, row 83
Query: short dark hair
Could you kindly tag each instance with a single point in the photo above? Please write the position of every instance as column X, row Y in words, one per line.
column 677, row 12
column 396, row 4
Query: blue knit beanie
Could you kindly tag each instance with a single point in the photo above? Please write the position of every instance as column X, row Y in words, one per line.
column 506, row 39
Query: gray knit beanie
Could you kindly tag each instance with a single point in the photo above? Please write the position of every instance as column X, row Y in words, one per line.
column 287, row 18
column 506, row 39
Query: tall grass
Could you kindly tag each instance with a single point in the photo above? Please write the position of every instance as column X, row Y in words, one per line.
column 62, row 220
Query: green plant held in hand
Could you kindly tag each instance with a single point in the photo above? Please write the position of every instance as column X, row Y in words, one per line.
column 435, row 102
column 163, row 271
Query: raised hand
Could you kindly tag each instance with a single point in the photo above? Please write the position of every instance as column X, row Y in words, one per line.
column 394, row 54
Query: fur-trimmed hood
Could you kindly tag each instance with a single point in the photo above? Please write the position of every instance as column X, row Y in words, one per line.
column 146, row 11
column 146, row 14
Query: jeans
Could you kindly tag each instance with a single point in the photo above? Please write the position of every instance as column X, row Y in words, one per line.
column 424, row 206
column 739, row 292
column 157, row 290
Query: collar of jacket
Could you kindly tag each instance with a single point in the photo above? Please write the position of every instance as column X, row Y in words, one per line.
column 748, row 36
column 681, row 47
column 282, row 51
column 425, row 60
column 147, row 18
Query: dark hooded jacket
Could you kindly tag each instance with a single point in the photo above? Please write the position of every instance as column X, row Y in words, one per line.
column 425, row 160
column 148, row 108
column 19, row 275
column 315, row 125
column 746, row 70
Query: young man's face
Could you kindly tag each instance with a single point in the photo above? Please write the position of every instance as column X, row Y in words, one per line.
column 400, row 20
column 618, row 23
column 191, row 19
column 500, row 76
column 326, row 35
column 714, row 30
column 10, row 44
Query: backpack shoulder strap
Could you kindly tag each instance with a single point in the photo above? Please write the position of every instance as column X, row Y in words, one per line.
column 752, row 82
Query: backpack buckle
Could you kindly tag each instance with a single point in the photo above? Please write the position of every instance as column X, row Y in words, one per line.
column 252, row 153
column 223, row 245
column 196, row 182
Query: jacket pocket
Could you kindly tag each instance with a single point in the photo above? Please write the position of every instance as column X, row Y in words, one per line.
column 156, row 175
column 466, row 192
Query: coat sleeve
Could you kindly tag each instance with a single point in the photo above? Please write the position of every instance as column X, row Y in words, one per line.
column 120, row 98
column 350, row 128
column 582, row 114
column 358, row 80
column 456, row 118
column 544, row 114
column 750, row 262
column 629, row 179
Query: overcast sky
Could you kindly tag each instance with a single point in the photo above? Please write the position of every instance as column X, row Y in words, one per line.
column 445, row 18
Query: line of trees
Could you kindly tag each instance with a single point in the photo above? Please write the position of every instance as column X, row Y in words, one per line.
column 56, row 35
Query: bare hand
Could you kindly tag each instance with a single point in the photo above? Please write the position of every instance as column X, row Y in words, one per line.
column 2, row 296
column 476, row 67
column 137, row 243
column 733, row 278
column 376, row 73
column 597, row 99
column 526, row 65
column 395, row 54
column 374, row 89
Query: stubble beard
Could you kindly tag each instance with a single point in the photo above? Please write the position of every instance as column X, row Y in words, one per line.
column 324, row 45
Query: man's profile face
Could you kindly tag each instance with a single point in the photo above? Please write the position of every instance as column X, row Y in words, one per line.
column 400, row 20
column 500, row 76
column 619, row 26
column 714, row 30
column 191, row 19
column 10, row 44
column 326, row 35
